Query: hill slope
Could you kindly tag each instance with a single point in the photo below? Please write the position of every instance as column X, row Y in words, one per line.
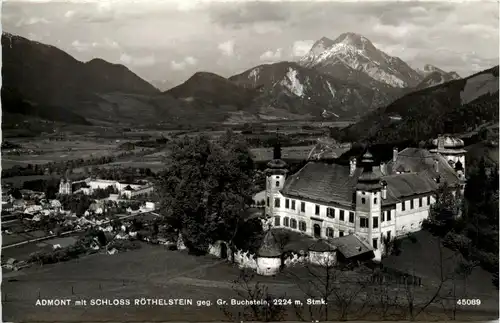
column 300, row 90
column 457, row 106
column 47, row 76
column 434, row 76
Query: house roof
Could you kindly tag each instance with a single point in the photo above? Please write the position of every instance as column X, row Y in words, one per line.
column 404, row 185
column 416, row 160
column 350, row 246
column 322, row 246
column 329, row 183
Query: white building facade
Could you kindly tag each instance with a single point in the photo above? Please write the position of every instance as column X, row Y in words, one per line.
column 375, row 202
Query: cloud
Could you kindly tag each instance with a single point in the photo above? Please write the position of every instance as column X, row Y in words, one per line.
column 301, row 47
column 271, row 56
column 69, row 14
column 227, row 48
column 138, row 61
column 238, row 14
column 181, row 65
column 32, row 21
column 81, row 47
column 86, row 46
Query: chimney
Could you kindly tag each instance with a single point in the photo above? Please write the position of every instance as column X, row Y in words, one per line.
column 352, row 166
column 394, row 154
column 436, row 166
column 384, row 190
column 383, row 168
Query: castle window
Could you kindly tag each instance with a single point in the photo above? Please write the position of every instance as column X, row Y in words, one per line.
column 388, row 215
column 411, row 204
column 383, row 216
column 375, row 222
column 363, row 222
column 267, row 201
column 428, row 200
column 420, row 202
column 317, row 210
column 363, row 200
column 286, row 222
column 403, row 206
column 375, row 201
column 293, row 204
column 277, row 202
column 330, row 212
column 277, row 221
column 341, row 233
column 287, row 203
column 293, row 223
column 351, row 217
column 375, row 244
column 302, row 206
column 389, row 235
column 277, row 183
column 341, row 215
column 302, row 226
column 329, row 232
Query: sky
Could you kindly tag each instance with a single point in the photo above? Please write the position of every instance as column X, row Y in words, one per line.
column 168, row 40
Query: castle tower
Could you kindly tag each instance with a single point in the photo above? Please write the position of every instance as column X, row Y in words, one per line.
column 452, row 149
column 368, row 202
column 276, row 173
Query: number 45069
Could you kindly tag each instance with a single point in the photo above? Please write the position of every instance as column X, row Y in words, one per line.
column 469, row 302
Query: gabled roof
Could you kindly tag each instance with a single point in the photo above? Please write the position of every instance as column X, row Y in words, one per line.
column 421, row 161
column 322, row 246
column 323, row 182
column 351, row 246
column 404, row 185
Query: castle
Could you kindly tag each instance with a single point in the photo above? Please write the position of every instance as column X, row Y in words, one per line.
column 372, row 201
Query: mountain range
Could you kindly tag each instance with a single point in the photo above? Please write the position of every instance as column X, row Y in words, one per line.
column 457, row 106
column 343, row 78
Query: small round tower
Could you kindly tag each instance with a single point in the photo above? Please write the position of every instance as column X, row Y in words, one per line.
column 269, row 255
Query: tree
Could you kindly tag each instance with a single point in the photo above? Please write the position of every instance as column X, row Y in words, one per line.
column 206, row 187
column 444, row 212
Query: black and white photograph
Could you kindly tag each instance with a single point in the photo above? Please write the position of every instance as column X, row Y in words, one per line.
column 238, row 161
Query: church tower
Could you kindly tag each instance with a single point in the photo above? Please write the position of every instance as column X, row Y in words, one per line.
column 276, row 173
column 368, row 202
column 65, row 185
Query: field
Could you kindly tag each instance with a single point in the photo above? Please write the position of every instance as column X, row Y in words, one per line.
column 45, row 151
column 150, row 272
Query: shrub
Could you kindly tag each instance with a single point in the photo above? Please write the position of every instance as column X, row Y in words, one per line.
column 124, row 245
column 457, row 242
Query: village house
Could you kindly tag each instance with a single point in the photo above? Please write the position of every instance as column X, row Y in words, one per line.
column 89, row 185
column 374, row 202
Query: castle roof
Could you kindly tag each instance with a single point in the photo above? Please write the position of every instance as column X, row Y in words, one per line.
column 333, row 184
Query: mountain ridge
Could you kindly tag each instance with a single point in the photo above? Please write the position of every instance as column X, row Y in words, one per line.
column 353, row 54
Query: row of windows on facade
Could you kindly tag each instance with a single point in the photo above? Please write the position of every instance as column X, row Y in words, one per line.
column 330, row 212
column 292, row 223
